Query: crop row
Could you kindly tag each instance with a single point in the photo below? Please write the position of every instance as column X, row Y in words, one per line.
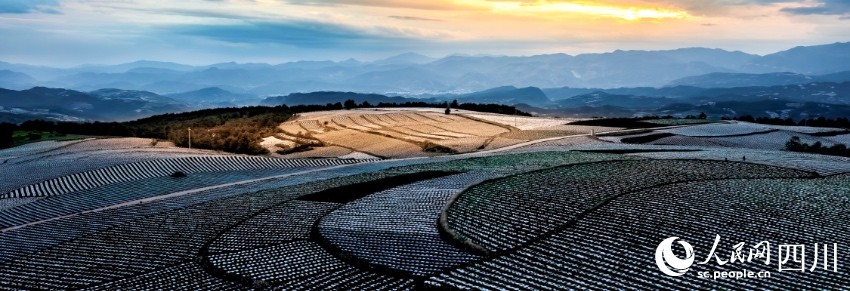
column 613, row 247
column 824, row 165
column 719, row 129
column 676, row 121
column 505, row 213
column 290, row 221
column 158, row 168
column 542, row 134
column 93, row 147
column 520, row 122
column 148, row 238
column 169, row 232
column 563, row 144
column 54, row 166
column 397, row 228
column 7, row 203
column 34, row 148
column 347, row 122
column 522, row 162
column 841, row 139
column 188, row 276
column 767, row 141
column 134, row 248
column 94, row 198
column 156, row 229
column 30, row 239
column 302, row 265
column 409, row 126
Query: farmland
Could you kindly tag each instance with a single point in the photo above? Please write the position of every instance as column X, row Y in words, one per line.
column 530, row 205
column 391, row 133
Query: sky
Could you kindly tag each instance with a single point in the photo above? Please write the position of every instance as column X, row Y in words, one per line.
column 67, row 33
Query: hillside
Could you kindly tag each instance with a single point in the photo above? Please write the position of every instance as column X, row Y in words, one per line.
column 731, row 80
column 406, row 132
column 215, row 97
column 104, row 105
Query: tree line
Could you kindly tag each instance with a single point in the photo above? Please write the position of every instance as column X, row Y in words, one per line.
column 842, row 122
column 235, row 130
column 795, row 145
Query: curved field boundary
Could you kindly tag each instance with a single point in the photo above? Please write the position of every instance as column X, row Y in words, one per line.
column 157, row 168
column 534, row 259
column 175, row 194
column 472, row 245
column 399, row 221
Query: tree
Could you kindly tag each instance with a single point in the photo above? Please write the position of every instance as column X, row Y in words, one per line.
column 365, row 104
column 6, row 131
column 794, row 144
column 349, row 104
column 702, row 115
column 448, row 110
column 454, row 104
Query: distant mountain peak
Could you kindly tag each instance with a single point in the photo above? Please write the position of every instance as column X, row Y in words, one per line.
column 407, row 58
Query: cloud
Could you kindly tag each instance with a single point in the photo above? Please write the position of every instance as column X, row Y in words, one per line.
column 423, row 5
column 28, row 6
column 713, row 7
column 827, row 7
column 412, row 18
column 302, row 34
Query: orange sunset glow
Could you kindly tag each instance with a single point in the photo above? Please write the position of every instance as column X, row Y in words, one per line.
column 285, row 30
column 590, row 8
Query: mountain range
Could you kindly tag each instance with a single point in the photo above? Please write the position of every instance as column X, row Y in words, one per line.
column 412, row 74
column 619, row 83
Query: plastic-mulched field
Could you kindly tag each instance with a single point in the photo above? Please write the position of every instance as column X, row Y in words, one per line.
column 718, row 129
column 614, row 246
column 504, row 214
column 160, row 168
column 34, row 148
column 396, row 229
column 159, row 236
column 741, row 128
column 774, row 140
column 258, row 235
column 57, row 159
column 822, row 164
column 140, row 244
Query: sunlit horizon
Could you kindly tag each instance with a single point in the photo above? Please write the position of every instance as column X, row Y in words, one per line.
column 600, row 9
column 68, row 33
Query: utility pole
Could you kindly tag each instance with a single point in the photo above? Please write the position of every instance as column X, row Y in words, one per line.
column 190, row 138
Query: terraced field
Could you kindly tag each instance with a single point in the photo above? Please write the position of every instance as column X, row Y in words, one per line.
column 405, row 133
column 529, row 211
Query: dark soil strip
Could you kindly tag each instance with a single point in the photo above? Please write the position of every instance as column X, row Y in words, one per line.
column 353, row 192
column 646, row 138
column 831, row 133
column 634, row 151
column 629, row 123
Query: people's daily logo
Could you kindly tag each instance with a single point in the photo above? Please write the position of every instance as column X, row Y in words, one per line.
column 786, row 257
column 668, row 262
